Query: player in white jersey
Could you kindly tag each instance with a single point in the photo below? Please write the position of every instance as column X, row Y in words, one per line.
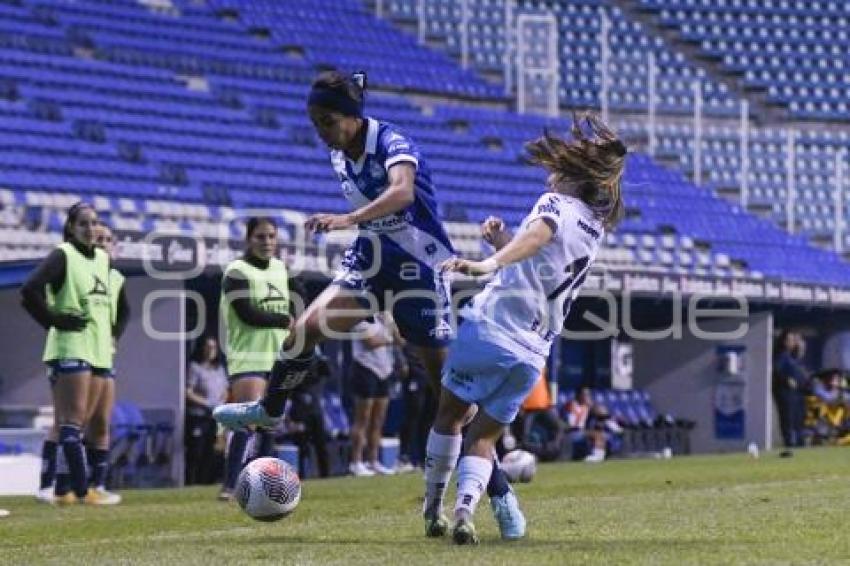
column 509, row 328
column 392, row 265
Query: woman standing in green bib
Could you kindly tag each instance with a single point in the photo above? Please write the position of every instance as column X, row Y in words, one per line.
column 68, row 294
column 255, row 308
column 102, row 387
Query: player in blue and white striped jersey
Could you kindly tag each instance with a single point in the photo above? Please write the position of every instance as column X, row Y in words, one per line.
column 392, row 264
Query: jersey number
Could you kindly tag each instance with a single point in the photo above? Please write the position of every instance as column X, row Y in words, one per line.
column 576, row 272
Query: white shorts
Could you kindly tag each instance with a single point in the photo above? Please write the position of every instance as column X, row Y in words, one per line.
column 481, row 371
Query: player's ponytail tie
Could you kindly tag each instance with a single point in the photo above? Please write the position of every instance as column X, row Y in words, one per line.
column 359, row 78
column 341, row 100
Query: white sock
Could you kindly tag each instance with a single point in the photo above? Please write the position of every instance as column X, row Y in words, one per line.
column 473, row 474
column 442, row 451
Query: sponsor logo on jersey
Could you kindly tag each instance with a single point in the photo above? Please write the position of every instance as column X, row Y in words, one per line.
column 585, row 227
column 347, row 187
column 550, row 207
column 98, row 287
column 397, row 144
column 273, row 295
column 459, row 378
column 442, row 330
column 390, row 223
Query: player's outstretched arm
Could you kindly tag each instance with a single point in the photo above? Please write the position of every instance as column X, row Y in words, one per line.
column 525, row 245
column 398, row 196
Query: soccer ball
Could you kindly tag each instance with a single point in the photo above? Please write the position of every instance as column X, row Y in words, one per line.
column 268, row 489
column 519, row 466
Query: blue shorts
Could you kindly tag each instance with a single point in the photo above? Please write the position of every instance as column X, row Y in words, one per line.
column 418, row 296
column 248, row 374
column 67, row 366
column 105, row 373
column 482, row 372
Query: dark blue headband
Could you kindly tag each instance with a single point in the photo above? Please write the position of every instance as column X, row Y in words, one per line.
column 335, row 100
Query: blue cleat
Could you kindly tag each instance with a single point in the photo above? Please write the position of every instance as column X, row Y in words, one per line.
column 509, row 516
column 242, row 415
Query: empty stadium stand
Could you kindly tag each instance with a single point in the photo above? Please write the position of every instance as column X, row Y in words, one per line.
column 173, row 118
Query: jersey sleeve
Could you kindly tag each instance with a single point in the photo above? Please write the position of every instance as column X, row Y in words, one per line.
column 397, row 148
column 549, row 208
column 192, row 376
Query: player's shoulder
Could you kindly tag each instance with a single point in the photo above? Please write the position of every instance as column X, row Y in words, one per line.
column 277, row 264
column 550, row 203
column 101, row 255
column 236, row 268
column 393, row 138
column 578, row 217
column 61, row 250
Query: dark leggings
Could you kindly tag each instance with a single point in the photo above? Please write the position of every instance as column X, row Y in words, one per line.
column 200, row 449
column 791, row 406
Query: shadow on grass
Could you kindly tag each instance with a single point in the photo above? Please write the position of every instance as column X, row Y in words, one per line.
column 648, row 546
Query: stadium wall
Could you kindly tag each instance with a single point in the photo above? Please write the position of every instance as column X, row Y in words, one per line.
column 690, row 378
column 150, row 371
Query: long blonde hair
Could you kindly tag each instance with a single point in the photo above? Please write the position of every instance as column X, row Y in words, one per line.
column 593, row 164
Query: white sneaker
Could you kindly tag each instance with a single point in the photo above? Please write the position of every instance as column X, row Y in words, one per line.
column 596, row 456
column 380, row 469
column 99, row 496
column 360, row 470
column 45, row 495
column 404, row 468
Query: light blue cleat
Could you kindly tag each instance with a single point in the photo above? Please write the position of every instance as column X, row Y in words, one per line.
column 242, row 415
column 509, row 516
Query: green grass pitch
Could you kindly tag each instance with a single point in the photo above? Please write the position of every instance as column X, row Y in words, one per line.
column 695, row 510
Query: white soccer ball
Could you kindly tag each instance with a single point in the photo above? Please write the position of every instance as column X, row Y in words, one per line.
column 268, row 489
column 519, row 466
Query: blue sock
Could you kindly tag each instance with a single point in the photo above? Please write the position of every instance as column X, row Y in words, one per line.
column 498, row 484
column 63, row 484
column 48, row 464
column 235, row 457
column 263, row 443
column 98, row 462
column 72, row 447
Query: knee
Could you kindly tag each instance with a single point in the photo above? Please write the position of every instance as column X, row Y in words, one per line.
column 302, row 338
column 447, row 423
column 76, row 414
column 97, row 429
column 482, row 447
